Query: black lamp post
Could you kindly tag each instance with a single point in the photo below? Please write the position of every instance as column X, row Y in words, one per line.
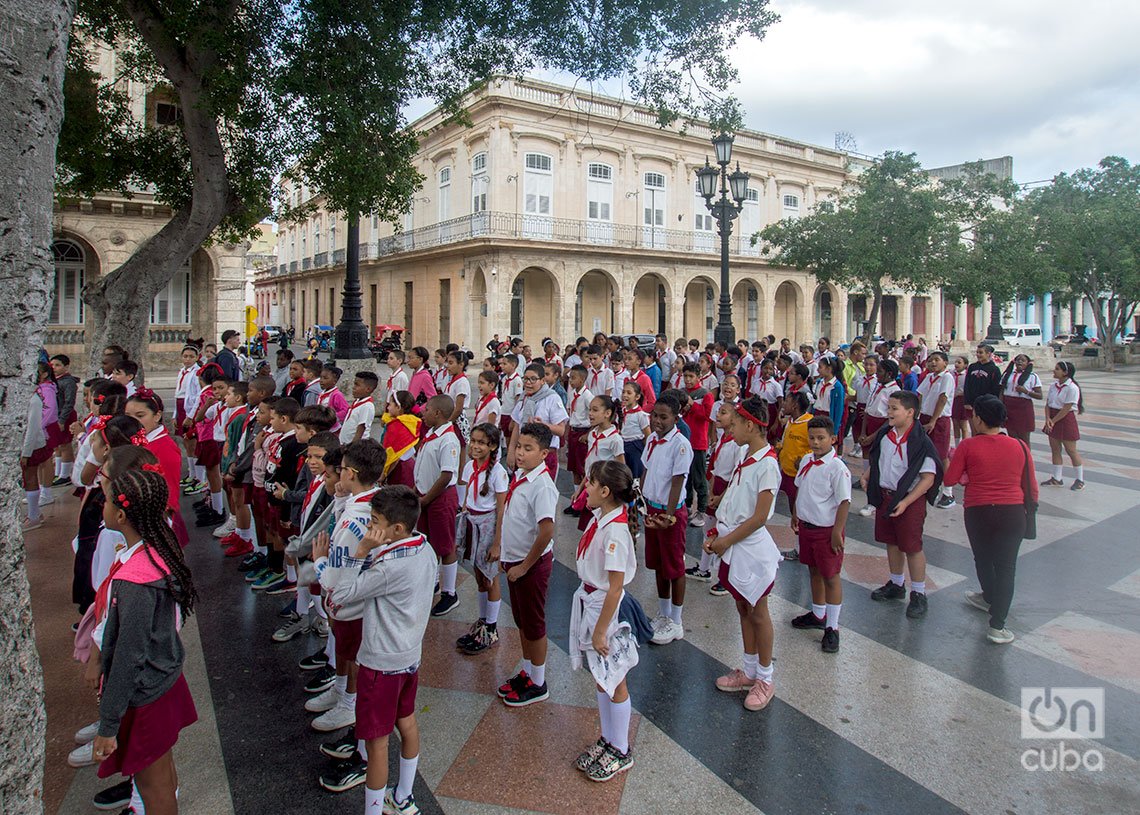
column 724, row 209
column 994, row 334
column 351, row 332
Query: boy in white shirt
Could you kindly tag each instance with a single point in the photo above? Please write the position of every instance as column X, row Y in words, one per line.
column 398, row 379
column 599, row 377
column 357, row 423
column 436, row 474
column 936, row 390
column 511, row 390
column 578, row 406
column 823, row 499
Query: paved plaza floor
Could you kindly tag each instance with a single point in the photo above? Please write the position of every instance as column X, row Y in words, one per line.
column 911, row 716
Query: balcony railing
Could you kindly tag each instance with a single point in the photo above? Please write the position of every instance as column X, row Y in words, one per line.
column 306, row 264
column 321, row 259
column 283, row 268
column 292, row 266
column 338, row 257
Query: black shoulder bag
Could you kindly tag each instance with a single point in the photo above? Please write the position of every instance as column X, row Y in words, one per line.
column 1030, row 504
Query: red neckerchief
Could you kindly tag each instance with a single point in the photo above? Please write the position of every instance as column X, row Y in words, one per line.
column 1060, row 386
column 473, row 484
column 324, row 396
column 293, row 382
column 649, row 448
column 814, row 462
column 893, row 438
column 507, row 380
column 365, row 496
column 796, row 388
column 596, row 439
column 357, row 404
column 241, row 411
column 388, row 386
column 453, row 380
column 314, row 485
column 516, row 482
column 181, row 376
column 824, row 385
column 588, row 536
column 594, row 372
column 486, row 400
column 738, row 473
column 432, row 435
column 725, row 439
column 574, row 401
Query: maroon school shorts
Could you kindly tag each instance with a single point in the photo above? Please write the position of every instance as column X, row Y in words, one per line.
column 150, row 731
column 208, row 453
column 576, row 452
column 815, row 550
column 552, row 463
column 348, row 634
column 381, row 699
column 437, row 521
column 905, row 531
column 1066, row 429
column 722, row 578
column 528, row 597
column 940, row 435
column 665, row 548
column 402, row 473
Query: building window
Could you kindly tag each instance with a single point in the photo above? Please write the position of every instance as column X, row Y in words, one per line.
column 479, row 163
column 445, row 193
column 750, row 224
column 167, row 114
column 653, row 210
column 304, row 241
column 171, row 306
column 479, row 183
column 752, row 312
column 791, row 206
column 67, row 303
column 317, row 236
column 703, row 224
column 332, row 232
column 538, row 196
column 599, row 203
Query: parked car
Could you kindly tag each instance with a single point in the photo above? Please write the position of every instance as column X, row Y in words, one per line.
column 644, row 341
column 274, row 332
column 1131, row 338
column 1022, row 335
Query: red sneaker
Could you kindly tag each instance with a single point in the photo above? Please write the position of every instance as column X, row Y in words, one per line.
column 230, row 540
column 240, row 548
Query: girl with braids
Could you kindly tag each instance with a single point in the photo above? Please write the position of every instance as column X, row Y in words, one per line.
column 1019, row 387
column 1062, row 405
column 603, row 443
column 107, row 399
column 486, row 484
column 144, row 700
column 146, row 407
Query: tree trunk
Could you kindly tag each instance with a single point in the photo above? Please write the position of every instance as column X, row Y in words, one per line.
column 1105, row 330
column 873, row 317
column 32, row 52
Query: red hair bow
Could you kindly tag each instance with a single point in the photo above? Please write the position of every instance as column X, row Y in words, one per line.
column 144, row 393
column 139, row 439
column 100, row 423
column 99, row 399
column 152, row 468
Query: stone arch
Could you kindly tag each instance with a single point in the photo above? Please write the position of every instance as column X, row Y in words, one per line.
column 826, row 321
column 786, row 304
column 595, row 302
column 651, row 296
column 535, row 303
column 747, row 309
column 700, row 310
column 77, row 263
column 478, row 307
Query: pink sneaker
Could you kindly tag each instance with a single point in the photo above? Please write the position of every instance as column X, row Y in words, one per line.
column 733, row 681
column 760, row 695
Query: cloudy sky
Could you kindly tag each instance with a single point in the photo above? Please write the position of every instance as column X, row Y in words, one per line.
column 1054, row 84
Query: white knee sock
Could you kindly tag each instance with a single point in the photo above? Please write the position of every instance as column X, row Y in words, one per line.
column 664, row 605
column 619, row 724
column 918, row 586
column 751, row 662
column 818, row 610
column 216, row 501
column 407, row 777
column 374, row 799
column 833, row 615
column 706, row 561
column 303, row 599
column 604, row 715
column 45, row 492
column 200, row 473
column 675, row 613
column 58, row 465
column 290, row 572
column 1057, row 470
column 492, row 615
column 898, row 579
column 65, row 468
column 330, row 646
column 191, row 466
column 1081, row 473
column 33, row 497
column 447, row 573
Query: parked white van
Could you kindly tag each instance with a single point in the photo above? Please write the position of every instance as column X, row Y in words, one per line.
column 1022, row 334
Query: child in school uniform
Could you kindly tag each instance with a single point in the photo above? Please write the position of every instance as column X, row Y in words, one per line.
column 207, row 421
column 510, row 392
column 668, row 461
column 187, row 391
column 634, row 359
column 936, row 392
column 391, row 573
column 600, row 378
column 401, row 436
column 1062, row 404
column 312, row 373
column 146, row 407
column 831, row 396
column 486, row 482
column 488, row 408
column 697, row 416
column 357, row 422
column 606, row 564
column 579, row 410
column 1020, row 386
column 749, row 557
column 725, row 456
column 525, row 550
column 620, row 374
column 904, row 476
column 295, row 387
column 458, row 387
column 875, row 413
column 861, row 384
column 634, row 427
column 330, row 395
column 285, row 458
column 603, row 442
column 820, row 520
column 256, row 563
column 539, row 405
column 436, row 472
column 398, row 379
column 958, row 411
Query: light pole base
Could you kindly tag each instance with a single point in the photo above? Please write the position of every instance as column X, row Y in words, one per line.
column 725, row 334
column 351, row 341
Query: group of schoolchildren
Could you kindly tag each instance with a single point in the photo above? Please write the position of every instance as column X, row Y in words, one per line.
column 367, row 533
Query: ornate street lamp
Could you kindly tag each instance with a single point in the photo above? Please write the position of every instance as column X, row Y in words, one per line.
column 724, row 209
column 352, row 334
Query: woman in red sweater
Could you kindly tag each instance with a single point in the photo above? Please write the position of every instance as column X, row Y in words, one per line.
column 992, row 466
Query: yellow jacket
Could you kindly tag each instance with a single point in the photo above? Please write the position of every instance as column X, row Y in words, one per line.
column 795, row 444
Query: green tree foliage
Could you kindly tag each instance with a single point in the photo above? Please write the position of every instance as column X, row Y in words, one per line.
column 319, row 88
column 891, row 227
column 1088, row 232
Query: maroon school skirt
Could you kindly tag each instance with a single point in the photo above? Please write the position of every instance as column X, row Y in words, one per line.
column 56, row 435
column 403, row 473
column 874, row 423
column 958, row 411
column 576, row 451
column 1066, row 429
column 41, row 455
column 179, row 415
column 208, row 453
column 722, row 577
column 1020, row 415
column 149, row 732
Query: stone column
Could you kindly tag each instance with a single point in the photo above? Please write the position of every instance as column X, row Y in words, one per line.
column 1046, row 317
column 961, row 323
column 904, row 315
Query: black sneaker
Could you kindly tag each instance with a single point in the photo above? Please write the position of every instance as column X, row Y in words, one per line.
column 571, row 511
column 527, row 694
column 791, row 554
column 889, row 591
column 1077, row 485
column 252, row 561
column 470, row 636
column 917, row 606
column 210, row 518
column 61, row 482
column 113, row 797
column 344, row 775
column 488, row 635
column 945, row 501
column 697, row 573
column 447, row 603
column 515, row 682
column 808, row 620
column 342, row 748
column 717, row 589
column 322, row 680
column 314, row 661
column 830, row 642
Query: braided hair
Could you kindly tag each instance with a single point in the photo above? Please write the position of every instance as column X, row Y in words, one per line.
column 142, row 495
column 1009, row 371
column 1070, row 371
column 494, row 439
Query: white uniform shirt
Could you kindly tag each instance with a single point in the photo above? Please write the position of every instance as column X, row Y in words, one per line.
column 438, row 452
column 533, row 498
column 578, row 406
column 550, row 410
column 708, row 381
column 877, row 398
column 960, row 383
column 610, row 550
column 666, row 358
column 894, row 460
column 1032, row 381
column 458, row 386
column 663, row 459
column 397, row 381
column 512, row 390
column 1061, row 394
column 499, row 481
column 725, row 456
column 933, row 386
column 823, row 397
column 220, row 414
column 823, row 485
column 619, row 380
column 483, row 410
column 770, row 390
column 633, row 424
column 603, row 446
column 864, row 383
column 185, row 377
column 360, row 412
column 754, row 474
column 600, row 380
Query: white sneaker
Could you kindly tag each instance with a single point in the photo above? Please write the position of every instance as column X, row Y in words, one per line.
column 323, row 701
column 339, row 717
column 29, row 524
column 668, row 632
column 698, row 519
column 87, row 734
column 227, row 528
column 867, row 511
column 977, row 600
column 82, row 756
column 320, row 627
column 46, row 498
column 659, row 622
column 1000, row 636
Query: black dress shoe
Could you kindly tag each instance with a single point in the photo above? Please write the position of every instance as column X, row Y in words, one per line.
column 889, row 591
column 210, row 518
column 917, row 606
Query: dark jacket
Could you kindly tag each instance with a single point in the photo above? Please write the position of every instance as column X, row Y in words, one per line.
column 227, row 360
column 918, row 447
column 981, row 378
